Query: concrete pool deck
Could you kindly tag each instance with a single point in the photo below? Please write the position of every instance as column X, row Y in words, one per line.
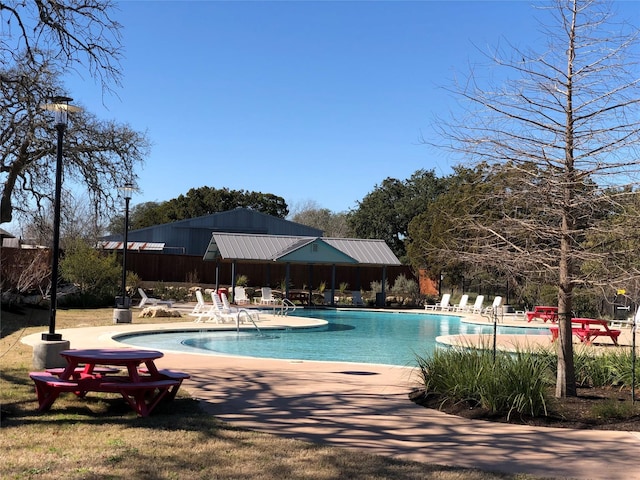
column 366, row 407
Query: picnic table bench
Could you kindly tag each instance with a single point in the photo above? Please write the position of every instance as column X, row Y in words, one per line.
column 584, row 329
column 143, row 388
column 544, row 313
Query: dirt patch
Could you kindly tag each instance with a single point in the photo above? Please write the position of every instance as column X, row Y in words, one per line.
column 593, row 408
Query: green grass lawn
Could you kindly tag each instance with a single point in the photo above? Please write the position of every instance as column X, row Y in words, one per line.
column 100, row 437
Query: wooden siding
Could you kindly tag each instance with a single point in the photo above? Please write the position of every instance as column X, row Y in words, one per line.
column 179, row 268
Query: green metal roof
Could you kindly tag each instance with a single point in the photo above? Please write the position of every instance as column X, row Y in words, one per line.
column 299, row 249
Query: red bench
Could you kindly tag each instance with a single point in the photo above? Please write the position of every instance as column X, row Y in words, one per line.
column 142, row 396
column 49, row 387
column 170, row 375
column 543, row 313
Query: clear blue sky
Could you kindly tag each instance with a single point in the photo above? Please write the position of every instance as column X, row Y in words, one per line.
column 306, row 100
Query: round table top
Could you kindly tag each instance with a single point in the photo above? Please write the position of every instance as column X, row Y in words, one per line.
column 111, row 355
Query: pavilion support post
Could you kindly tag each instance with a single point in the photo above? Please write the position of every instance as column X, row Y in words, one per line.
column 333, row 284
column 287, row 280
column 217, row 275
column 384, row 293
column 233, row 280
column 310, row 283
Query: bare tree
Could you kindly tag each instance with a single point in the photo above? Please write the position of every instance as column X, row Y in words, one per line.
column 557, row 138
column 75, row 33
column 311, row 214
column 100, row 155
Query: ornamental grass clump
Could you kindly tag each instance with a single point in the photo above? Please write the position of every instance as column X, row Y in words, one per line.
column 611, row 368
column 510, row 384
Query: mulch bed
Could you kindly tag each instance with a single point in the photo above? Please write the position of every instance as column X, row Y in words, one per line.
column 593, row 408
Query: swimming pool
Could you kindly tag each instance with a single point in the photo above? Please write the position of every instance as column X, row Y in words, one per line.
column 350, row 336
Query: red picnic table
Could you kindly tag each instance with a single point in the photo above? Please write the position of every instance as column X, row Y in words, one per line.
column 584, row 329
column 142, row 388
column 544, row 313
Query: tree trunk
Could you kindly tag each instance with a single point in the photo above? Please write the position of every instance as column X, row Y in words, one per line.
column 566, row 379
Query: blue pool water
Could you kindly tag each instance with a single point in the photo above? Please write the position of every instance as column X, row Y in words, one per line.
column 350, row 336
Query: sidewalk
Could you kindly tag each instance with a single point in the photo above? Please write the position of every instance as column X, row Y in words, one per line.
column 366, row 407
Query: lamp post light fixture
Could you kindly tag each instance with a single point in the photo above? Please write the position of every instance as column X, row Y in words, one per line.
column 127, row 191
column 60, row 106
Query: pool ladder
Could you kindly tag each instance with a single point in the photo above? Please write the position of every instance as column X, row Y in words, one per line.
column 245, row 312
column 285, row 307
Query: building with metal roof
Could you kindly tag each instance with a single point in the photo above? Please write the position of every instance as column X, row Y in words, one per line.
column 288, row 249
column 191, row 236
column 271, row 250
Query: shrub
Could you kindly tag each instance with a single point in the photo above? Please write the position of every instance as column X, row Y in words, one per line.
column 406, row 290
column 168, row 292
column 96, row 275
column 376, row 287
column 612, row 409
column 513, row 383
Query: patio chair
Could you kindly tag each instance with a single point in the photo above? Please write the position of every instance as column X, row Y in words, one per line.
column 228, row 309
column 443, row 304
column 201, row 305
column 202, row 311
column 477, row 306
column 240, row 296
column 153, row 301
column 218, row 312
column 267, row 297
column 328, row 299
column 356, row 297
column 462, row 306
column 494, row 306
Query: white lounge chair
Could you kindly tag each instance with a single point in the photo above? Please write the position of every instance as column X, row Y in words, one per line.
column 441, row 305
column 477, row 306
column 494, row 306
column 356, row 298
column 462, row 306
column 202, row 311
column 227, row 309
column 219, row 312
column 201, row 305
column 153, row 301
column 267, row 297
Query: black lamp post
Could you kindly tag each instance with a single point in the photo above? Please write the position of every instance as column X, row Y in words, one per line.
column 127, row 191
column 60, row 106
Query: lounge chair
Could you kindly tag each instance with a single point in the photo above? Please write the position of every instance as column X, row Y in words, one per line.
column 267, row 297
column 494, row 306
column 219, row 312
column 462, row 306
column 441, row 305
column 356, row 298
column 477, row 306
column 153, row 301
column 226, row 308
column 201, row 305
column 201, row 311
